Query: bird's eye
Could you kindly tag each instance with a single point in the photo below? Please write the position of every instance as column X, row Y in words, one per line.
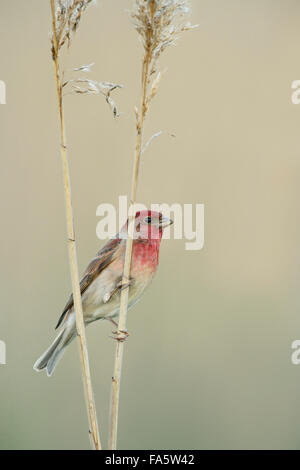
column 148, row 220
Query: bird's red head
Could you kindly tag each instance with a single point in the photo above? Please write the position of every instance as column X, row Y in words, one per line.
column 149, row 225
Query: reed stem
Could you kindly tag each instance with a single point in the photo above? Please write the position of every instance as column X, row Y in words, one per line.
column 86, row 375
column 115, row 390
column 159, row 23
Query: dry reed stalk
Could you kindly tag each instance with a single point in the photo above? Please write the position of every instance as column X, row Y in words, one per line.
column 159, row 23
column 65, row 18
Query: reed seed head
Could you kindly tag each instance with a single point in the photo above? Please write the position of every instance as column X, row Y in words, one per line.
column 160, row 23
column 67, row 18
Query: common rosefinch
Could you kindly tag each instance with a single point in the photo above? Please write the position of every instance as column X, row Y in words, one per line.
column 102, row 281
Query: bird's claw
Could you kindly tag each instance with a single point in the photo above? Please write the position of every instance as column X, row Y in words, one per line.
column 124, row 286
column 120, row 335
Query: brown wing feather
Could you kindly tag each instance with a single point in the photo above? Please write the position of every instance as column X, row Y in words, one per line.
column 103, row 258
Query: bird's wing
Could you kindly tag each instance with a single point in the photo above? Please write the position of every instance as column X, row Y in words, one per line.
column 103, row 258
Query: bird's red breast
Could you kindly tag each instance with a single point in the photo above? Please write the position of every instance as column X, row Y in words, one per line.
column 145, row 253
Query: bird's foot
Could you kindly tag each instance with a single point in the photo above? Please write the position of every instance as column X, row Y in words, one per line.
column 120, row 335
column 127, row 284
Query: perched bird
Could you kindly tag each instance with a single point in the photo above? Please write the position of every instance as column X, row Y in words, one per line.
column 102, row 281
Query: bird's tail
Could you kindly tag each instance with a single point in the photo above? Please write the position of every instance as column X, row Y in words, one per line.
column 50, row 358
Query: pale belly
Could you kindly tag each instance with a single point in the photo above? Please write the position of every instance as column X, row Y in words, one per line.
column 93, row 300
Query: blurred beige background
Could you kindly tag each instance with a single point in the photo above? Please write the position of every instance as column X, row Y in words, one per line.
column 208, row 363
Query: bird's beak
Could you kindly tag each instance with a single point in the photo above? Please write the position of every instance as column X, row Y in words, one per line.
column 165, row 222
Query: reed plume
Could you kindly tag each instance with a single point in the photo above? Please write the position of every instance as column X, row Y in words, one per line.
column 159, row 23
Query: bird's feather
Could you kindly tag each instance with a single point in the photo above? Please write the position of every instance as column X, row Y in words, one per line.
column 103, row 258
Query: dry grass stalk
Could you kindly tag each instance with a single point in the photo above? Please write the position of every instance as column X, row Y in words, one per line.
column 65, row 19
column 159, row 23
